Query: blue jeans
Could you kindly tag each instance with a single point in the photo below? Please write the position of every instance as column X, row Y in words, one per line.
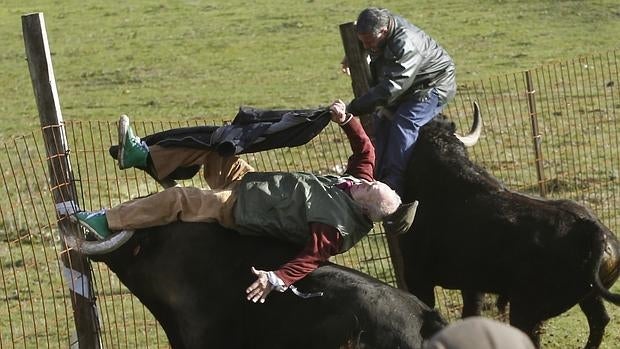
column 395, row 137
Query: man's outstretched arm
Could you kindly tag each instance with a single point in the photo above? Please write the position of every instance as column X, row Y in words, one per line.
column 325, row 242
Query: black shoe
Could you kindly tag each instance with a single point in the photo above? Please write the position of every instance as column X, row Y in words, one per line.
column 401, row 220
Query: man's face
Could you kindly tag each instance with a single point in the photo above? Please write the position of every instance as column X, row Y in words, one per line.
column 373, row 43
column 365, row 192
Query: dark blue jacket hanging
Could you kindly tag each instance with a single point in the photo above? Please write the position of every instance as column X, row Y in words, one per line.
column 252, row 130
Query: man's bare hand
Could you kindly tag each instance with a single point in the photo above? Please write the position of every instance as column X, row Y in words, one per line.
column 344, row 66
column 338, row 111
column 260, row 288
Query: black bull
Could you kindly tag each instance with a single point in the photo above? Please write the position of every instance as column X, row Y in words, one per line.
column 193, row 276
column 473, row 234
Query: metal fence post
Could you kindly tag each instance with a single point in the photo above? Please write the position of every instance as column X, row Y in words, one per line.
column 536, row 136
column 360, row 81
column 77, row 268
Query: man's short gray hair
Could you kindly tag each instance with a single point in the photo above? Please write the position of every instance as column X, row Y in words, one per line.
column 372, row 20
column 386, row 202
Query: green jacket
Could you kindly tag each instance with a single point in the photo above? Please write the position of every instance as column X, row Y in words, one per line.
column 282, row 204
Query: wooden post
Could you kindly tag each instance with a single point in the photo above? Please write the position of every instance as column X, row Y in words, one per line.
column 360, row 82
column 76, row 267
column 360, row 70
column 536, row 136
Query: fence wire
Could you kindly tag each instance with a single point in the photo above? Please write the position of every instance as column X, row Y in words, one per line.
column 577, row 105
column 35, row 309
column 574, row 104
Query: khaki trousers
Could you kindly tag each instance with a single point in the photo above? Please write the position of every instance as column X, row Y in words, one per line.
column 186, row 204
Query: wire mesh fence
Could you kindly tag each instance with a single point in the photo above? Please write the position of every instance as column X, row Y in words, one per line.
column 576, row 107
column 552, row 131
column 35, row 310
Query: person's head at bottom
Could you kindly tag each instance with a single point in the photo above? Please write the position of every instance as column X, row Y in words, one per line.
column 376, row 198
column 479, row 333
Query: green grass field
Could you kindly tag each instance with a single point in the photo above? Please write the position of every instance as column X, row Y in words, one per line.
column 182, row 60
column 202, row 59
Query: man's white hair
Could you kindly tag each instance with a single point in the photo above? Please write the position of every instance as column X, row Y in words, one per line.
column 385, row 202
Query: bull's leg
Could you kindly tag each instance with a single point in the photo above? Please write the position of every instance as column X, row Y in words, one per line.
column 522, row 318
column 594, row 309
column 472, row 303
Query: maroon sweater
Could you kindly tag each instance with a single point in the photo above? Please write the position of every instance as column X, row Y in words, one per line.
column 325, row 240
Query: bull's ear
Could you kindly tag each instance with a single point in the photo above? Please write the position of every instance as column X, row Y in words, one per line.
column 401, row 220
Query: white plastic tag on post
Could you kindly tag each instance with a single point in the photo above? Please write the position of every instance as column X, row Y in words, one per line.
column 67, row 208
column 77, row 282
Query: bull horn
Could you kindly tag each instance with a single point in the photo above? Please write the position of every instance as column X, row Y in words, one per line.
column 90, row 248
column 476, row 128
